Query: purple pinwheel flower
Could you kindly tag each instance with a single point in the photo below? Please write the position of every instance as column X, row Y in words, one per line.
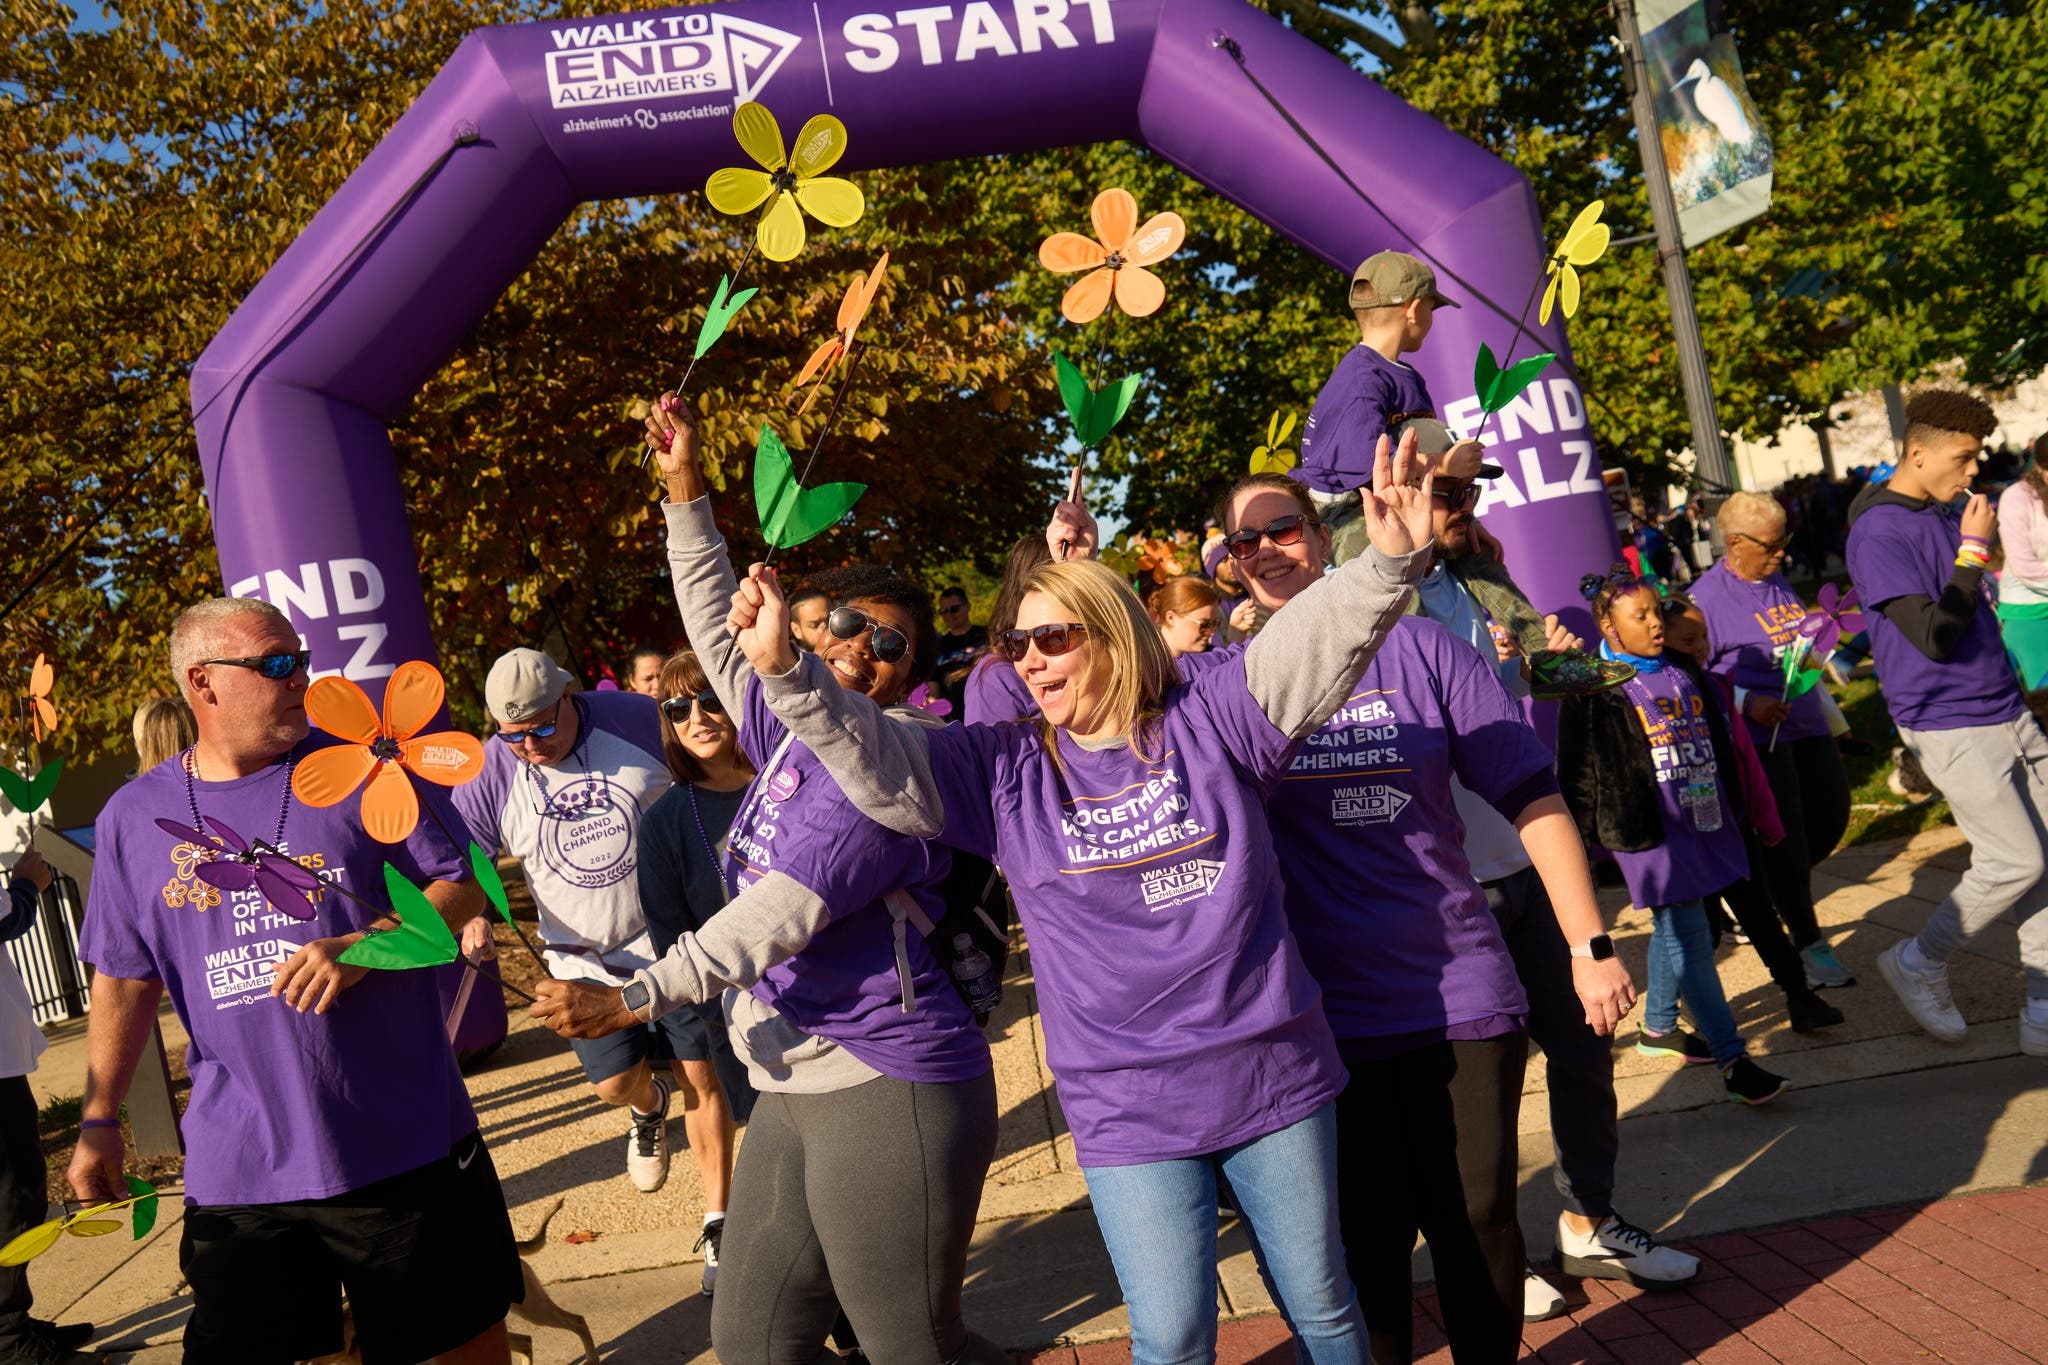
column 237, row 867
column 1838, row 616
column 926, row 698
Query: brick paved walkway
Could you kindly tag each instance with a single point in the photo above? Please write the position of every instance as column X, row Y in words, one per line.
column 1961, row 1280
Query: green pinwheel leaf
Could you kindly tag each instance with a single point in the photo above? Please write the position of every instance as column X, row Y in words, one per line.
column 486, row 871
column 145, row 1200
column 1093, row 412
column 1497, row 387
column 1800, row 683
column 718, row 315
column 422, row 938
column 790, row 513
column 29, row 793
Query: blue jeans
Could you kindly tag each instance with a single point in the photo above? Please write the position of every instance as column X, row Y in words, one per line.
column 1682, row 967
column 1159, row 1222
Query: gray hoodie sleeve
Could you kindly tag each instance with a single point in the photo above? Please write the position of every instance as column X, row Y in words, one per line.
column 704, row 583
column 769, row 922
column 883, row 765
column 1307, row 660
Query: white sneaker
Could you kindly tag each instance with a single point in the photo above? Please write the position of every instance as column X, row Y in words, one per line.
column 647, row 1144
column 1925, row 995
column 2034, row 1031
column 1541, row 1300
column 1618, row 1250
column 707, row 1242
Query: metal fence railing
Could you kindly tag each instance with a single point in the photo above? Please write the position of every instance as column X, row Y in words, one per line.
column 47, row 956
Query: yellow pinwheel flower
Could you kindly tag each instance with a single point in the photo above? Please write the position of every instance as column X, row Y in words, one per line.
column 1272, row 458
column 789, row 183
column 1583, row 244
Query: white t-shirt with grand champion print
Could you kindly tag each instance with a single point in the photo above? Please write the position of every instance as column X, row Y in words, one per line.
column 575, row 828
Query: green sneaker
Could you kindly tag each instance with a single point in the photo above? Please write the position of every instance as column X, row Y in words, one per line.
column 1558, row 673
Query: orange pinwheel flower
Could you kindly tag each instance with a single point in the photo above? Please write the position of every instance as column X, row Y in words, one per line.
column 1119, row 255
column 852, row 309
column 385, row 750
column 42, row 712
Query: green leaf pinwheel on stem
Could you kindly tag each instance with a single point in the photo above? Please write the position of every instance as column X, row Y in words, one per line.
column 790, row 513
column 422, row 938
column 1094, row 412
column 1497, row 387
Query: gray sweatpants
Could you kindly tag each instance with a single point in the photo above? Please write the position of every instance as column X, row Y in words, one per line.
column 1996, row 780
column 863, row 1198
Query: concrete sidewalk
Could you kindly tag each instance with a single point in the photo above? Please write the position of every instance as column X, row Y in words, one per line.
column 1880, row 1116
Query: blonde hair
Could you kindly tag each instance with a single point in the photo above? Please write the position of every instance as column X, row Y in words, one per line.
column 1141, row 667
column 163, row 729
column 196, row 632
column 1746, row 511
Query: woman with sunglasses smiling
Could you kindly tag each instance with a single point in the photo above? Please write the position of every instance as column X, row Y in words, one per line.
column 865, row 1157
column 1183, row 1029
column 1420, row 989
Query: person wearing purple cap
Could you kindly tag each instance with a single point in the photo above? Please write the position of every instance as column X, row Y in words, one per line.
column 1920, row 566
column 1184, row 1030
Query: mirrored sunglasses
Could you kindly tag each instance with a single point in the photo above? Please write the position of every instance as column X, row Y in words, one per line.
column 886, row 643
column 677, row 709
column 276, row 667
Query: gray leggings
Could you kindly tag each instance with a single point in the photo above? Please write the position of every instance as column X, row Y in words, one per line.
column 862, row 1198
column 1996, row 780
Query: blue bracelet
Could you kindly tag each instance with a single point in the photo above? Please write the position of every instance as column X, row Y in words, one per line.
column 99, row 1123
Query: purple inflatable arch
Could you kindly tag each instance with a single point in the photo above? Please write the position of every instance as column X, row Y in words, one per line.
column 294, row 396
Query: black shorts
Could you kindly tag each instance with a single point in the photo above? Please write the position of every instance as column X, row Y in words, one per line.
column 426, row 1256
column 681, row 1035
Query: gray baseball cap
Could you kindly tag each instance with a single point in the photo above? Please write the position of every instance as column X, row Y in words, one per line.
column 522, row 684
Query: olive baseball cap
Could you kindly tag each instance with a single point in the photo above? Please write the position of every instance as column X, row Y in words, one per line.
column 1388, row 279
column 522, row 684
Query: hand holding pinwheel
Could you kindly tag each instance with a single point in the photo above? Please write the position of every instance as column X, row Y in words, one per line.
column 89, row 1220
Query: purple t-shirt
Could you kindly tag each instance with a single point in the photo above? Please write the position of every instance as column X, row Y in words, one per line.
column 1179, row 1018
column 1751, row 627
column 285, row 1106
column 1378, row 888
column 1363, row 397
column 1691, row 862
column 1897, row 552
column 995, row 693
column 843, row 985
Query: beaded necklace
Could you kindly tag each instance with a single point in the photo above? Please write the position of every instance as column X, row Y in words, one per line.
column 189, row 761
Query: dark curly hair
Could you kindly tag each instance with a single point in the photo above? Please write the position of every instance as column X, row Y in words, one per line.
column 875, row 583
column 1948, row 410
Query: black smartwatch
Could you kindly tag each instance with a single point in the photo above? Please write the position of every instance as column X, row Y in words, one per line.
column 637, row 998
column 1599, row 948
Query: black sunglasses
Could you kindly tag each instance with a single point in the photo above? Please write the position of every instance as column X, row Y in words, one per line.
column 678, row 708
column 1286, row 531
column 276, row 667
column 1456, row 495
column 886, row 643
column 1052, row 640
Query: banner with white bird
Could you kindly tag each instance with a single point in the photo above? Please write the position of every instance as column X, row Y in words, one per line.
column 1715, row 147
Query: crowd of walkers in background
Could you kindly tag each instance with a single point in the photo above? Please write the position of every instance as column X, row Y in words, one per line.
column 1286, row 838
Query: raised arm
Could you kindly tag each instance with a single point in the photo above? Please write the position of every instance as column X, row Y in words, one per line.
column 770, row 922
column 1309, row 658
column 698, row 565
column 884, row 766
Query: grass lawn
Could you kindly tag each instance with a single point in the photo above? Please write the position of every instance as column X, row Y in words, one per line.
column 1874, row 813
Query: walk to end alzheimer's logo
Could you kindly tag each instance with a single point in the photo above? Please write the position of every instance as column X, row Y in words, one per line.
column 672, row 56
column 1183, row 881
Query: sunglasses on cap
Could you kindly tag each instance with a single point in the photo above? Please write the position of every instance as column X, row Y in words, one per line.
column 886, row 643
column 276, row 667
column 1052, row 640
column 1285, row 531
column 678, row 708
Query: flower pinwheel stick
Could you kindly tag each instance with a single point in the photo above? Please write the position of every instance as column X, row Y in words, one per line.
column 1584, row 242
column 24, row 791
column 422, row 938
column 790, row 513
